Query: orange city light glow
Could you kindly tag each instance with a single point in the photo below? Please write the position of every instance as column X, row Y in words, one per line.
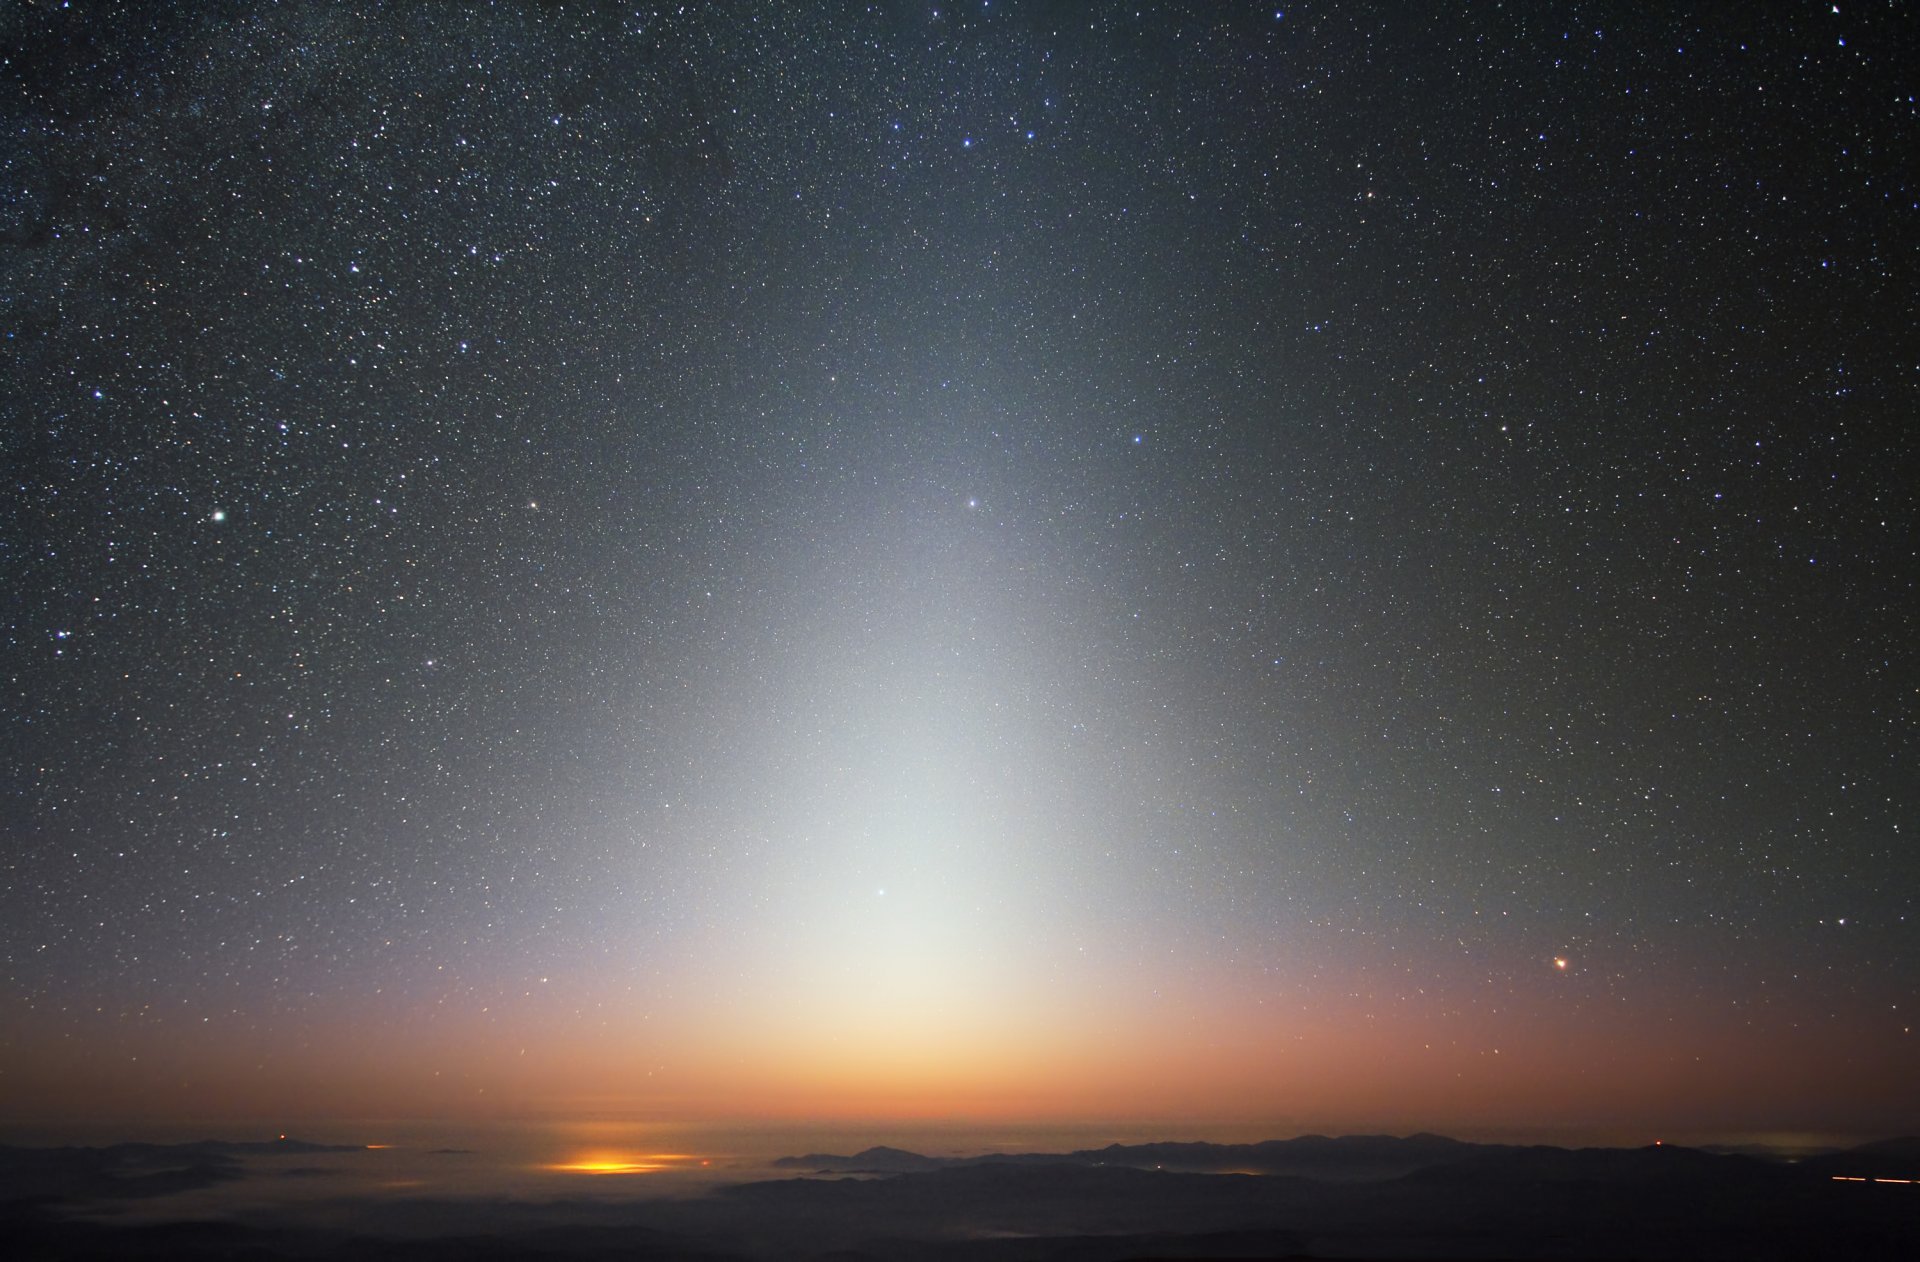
column 602, row 1161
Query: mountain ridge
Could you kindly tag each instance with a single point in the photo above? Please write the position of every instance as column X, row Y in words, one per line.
column 1378, row 1157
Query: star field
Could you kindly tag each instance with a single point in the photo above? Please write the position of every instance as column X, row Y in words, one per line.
column 1195, row 558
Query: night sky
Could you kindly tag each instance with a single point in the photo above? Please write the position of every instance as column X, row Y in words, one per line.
column 1323, row 566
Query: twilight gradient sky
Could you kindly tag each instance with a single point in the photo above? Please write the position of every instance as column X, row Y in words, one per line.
column 1327, row 566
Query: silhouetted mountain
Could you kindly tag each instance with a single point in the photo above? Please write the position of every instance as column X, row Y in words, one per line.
column 123, row 1171
column 1309, row 1156
column 227, row 1147
column 1906, row 1148
column 1662, row 1163
column 1885, row 1159
column 879, row 1160
column 59, row 1174
column 1768, row 1152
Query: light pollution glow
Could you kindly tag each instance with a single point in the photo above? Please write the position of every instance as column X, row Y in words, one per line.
column 606, row 1161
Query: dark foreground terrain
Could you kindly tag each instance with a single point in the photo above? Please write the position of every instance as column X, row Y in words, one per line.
column 1358, row 1197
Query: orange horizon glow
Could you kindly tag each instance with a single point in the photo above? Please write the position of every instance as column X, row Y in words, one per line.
column 1193, row 1059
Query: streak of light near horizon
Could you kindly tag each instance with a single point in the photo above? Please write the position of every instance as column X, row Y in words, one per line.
column 601, row 1161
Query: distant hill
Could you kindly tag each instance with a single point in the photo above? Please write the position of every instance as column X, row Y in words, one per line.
column 1349, row 1157
column 1373, row 1158
column 1666, row 1164
column 1884, row 1159
column 234, row 1147
column 880, row 1160
column 134, row 1171
column 1906, row 1148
